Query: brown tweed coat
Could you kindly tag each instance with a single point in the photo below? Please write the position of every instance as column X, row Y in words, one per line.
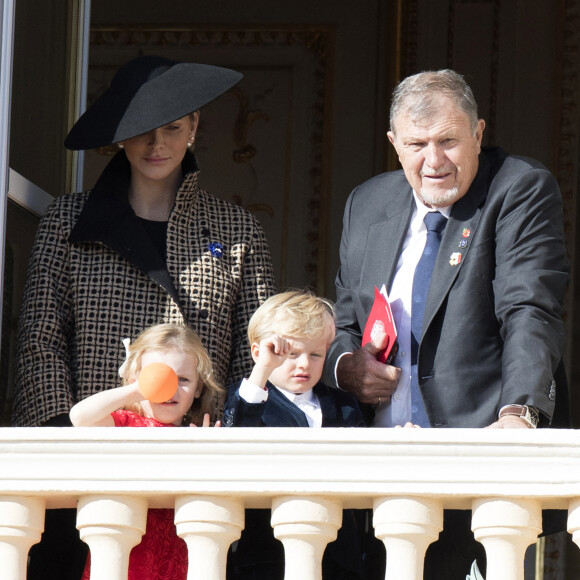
column 95, row 277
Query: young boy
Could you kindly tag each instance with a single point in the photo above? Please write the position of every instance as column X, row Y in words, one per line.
column 289, row 336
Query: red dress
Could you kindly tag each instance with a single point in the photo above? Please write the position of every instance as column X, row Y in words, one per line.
column 161, row 555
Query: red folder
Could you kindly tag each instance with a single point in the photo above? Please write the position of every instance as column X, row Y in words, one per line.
column 381, row 318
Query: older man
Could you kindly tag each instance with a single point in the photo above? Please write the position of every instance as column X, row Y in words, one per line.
column 469, row 245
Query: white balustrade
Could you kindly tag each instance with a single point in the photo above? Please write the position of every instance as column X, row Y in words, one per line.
column 208, row 525
column 111, row 526
column 574, row 520
column 21, row 524
column 506, row 527
column 306, row 476
column 305, row 525
column 407, row 526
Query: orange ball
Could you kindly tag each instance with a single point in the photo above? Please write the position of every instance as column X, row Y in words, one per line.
column 157, row 382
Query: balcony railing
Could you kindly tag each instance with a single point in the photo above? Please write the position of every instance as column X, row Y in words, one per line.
column 307, row 476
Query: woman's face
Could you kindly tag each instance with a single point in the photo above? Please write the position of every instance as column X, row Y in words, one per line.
column 157, row 155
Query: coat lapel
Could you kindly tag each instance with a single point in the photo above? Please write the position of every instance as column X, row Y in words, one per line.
column 456, row 242
column 327, row 406
column 108, row 218
column 281, row 409
column 388, row 235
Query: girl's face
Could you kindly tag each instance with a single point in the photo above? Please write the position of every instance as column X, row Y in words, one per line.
column 188, row 389
column 157, row 155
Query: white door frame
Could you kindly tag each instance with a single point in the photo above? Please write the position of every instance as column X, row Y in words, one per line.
column 12, row 184
column 6, row 52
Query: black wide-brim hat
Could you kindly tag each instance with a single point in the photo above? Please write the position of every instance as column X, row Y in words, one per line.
column 146, row 93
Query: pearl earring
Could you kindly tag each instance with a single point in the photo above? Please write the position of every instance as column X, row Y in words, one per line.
column 120, row 146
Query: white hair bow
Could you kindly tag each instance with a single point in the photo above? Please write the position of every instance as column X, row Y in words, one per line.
column 126, row 343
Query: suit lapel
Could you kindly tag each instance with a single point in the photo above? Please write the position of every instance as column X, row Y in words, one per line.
column 283, row 410
column 388, row 235
column 456, row 242
column 326, row 406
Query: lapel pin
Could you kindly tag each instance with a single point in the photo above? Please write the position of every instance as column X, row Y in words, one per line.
column 463, row 243
column 216, row 249
column 466, row 233
column 455, row 258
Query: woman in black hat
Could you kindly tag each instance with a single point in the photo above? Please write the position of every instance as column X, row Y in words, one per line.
column 146, row 245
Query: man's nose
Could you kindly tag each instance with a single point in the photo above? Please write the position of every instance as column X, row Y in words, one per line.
column 434, row 156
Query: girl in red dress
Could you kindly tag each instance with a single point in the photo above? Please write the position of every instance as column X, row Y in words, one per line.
column 161, row 555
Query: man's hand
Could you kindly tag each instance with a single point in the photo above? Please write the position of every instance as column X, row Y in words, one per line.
column 369, row 380
column 509, row 422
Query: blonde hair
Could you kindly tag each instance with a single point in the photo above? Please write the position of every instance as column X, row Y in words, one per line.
column 295, row 314
column 175, row 337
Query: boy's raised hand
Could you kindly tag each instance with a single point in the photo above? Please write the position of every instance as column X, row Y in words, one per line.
column 272, row 351
column 268, row 355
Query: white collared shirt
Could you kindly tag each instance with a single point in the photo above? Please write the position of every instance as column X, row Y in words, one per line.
column 398, row 410
column 307, row 402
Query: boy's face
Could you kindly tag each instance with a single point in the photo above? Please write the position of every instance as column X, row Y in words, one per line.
column 302, row 368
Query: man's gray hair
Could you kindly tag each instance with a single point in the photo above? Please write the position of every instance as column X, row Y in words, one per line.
column 417, row 95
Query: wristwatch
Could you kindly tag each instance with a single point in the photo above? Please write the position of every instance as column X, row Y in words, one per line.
column 529, row 414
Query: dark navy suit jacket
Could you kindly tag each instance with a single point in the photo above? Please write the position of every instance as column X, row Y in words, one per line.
column 339, row 409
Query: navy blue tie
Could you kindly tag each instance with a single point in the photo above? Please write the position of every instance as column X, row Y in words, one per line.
column 435, row 223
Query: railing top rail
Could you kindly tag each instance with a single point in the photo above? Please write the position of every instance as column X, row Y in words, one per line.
column 455, row 465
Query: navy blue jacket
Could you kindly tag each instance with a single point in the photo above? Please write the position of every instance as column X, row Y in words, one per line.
column 339, row 409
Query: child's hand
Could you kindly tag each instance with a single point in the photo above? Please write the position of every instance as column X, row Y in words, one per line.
column 268, row 354
column 272, row 351
column 207, row 422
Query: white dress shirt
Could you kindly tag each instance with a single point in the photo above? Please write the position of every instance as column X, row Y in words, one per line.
column 398, row 410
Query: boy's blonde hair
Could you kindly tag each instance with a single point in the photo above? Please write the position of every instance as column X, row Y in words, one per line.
column 175, row 337
column 295, row 314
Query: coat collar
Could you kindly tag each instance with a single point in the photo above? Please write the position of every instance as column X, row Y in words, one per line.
column 380, row 266
column 279, row 400
column 107, row 210
column 107, row 218
column 458, row 235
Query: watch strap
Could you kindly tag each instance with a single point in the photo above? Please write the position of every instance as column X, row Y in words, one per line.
column 529, row 414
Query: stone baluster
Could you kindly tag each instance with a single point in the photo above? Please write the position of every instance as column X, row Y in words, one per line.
column 305, row 525
column 208, row 525
column 574, row 520
column 406, row 526
column 506, row 527
column 111, row 526
column 21, row 525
